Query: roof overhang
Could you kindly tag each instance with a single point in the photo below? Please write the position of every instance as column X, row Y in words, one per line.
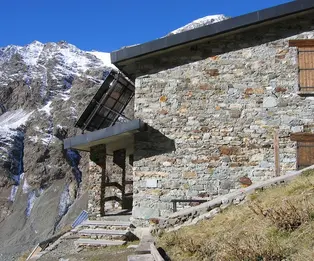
column 119, row 136
column 138, row 52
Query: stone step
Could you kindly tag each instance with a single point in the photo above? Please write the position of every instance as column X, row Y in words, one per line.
column 99, row 242
column 110, row 232
column 106, row 223
column 146, row 257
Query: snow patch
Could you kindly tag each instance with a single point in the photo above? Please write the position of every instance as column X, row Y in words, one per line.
column 47, row 140
column 65, row 201
column 14, row 119
column 74, row 158
column 26, row 187
column 47, row 108
column 65, row 95
column 13, row 192
column 10, row 121
column 104, row 58
column 74, row 58
column 33, row 139
column 30, row 203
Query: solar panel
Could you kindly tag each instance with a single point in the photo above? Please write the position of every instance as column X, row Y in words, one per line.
column 109, row 102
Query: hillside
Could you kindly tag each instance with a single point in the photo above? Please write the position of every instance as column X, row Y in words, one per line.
column 275, row 224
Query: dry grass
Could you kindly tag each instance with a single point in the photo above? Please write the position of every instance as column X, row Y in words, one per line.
column 24, row 256
column 274, row 224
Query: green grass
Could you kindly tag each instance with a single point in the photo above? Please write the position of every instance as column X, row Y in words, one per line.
column 272, row 225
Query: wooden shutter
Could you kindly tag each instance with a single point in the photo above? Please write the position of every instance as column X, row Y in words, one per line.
column 305, row 149
column 306, row 64
column 305, row 154
column 306, row 69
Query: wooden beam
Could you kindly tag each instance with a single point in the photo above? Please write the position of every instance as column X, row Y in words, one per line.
column 302, row 43
column 302, row 136
column 113, row 184
column 276, row 152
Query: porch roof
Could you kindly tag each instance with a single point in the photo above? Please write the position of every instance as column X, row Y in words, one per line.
column 115, row 137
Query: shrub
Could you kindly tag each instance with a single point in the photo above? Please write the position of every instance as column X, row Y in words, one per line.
column 289, row 215
column 252, row 248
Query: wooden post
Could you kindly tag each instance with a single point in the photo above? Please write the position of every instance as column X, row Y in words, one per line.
column 276, row 152
column 119, row 158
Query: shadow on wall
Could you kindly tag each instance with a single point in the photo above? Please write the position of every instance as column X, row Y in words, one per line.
column 151, row 143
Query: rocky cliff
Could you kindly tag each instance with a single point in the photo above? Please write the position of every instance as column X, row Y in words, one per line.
column 43, row 90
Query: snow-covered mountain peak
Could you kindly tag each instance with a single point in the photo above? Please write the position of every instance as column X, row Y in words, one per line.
column 210, row 19
column 68, row 56
column 31, row 52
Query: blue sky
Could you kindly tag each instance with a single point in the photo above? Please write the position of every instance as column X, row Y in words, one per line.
column 107, row 25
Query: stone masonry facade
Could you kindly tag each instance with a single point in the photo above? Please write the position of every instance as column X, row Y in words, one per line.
column 221, row 114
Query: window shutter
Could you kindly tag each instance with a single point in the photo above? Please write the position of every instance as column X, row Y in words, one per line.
column 305, row 154
column 306, row 64
column 305, row 149
column 306, row 69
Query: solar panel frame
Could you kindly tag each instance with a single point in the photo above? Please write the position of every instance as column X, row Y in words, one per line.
column 108, row 103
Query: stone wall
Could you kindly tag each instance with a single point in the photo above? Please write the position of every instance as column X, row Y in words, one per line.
column 221, row 113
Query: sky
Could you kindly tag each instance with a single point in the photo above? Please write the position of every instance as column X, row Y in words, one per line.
column 107, row 25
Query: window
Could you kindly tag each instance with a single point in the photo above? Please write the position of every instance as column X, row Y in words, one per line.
column 305, row 64
column 305, row 149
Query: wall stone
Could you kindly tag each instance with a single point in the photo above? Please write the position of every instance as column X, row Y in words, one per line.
column 220, row 113
column 97, row 172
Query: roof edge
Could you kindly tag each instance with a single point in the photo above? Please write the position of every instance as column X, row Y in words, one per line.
column 199, row 33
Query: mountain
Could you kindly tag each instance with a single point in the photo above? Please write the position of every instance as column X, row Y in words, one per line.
column 43, row 90
column 210, row 19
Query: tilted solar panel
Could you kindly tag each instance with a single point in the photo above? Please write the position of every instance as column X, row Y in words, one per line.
column 108, row 103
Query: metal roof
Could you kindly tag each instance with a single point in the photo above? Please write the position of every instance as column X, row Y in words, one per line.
column 258, row 17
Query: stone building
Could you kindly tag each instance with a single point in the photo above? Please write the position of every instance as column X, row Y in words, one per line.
column 224, row 102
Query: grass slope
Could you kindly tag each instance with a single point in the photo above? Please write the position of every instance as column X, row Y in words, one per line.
column 274, row 224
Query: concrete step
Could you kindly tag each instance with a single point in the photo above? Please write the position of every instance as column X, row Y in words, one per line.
column 106, row 223
column 110, row 232
column 146, row 257
column 145, row 244
column 99, row 242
